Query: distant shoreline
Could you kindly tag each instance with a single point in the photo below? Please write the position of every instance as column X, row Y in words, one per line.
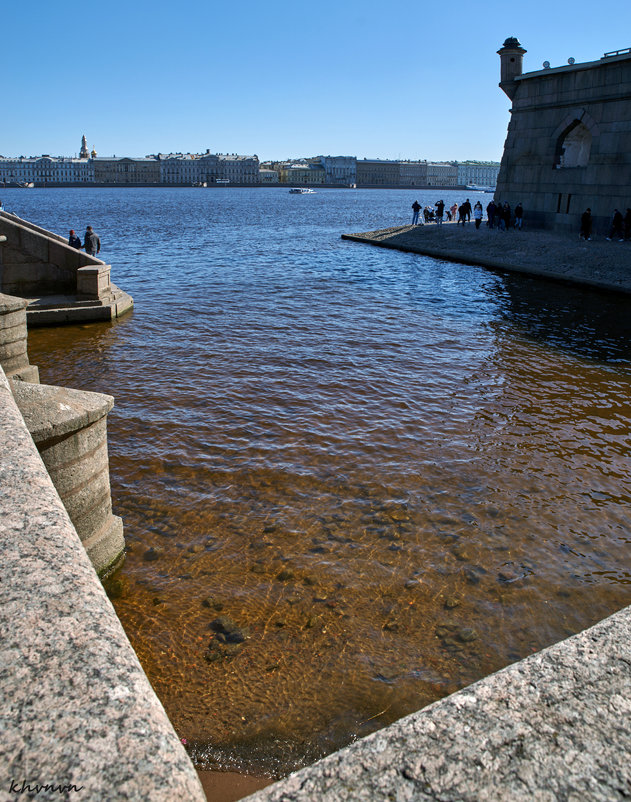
column 233, row 186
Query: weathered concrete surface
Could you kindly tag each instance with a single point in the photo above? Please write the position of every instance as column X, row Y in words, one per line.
column 59, row 310
column 75, row 706
column 555, row 726
column 62, row 284
column 552, row 255
column 69, row 428
column 13, row 340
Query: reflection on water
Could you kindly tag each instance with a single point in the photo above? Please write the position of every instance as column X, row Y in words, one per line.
column 352, row 480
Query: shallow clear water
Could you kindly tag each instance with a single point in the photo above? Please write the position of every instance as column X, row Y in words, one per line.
column 398, row 474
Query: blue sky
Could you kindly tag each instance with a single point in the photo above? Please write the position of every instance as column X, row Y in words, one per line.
column 372, row 79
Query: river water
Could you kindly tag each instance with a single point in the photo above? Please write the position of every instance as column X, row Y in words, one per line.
column 392, row 473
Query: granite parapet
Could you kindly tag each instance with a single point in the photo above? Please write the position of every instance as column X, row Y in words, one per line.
column 75, row 705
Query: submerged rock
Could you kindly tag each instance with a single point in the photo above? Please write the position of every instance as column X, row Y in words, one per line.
column 285, row 575
column 152, row 554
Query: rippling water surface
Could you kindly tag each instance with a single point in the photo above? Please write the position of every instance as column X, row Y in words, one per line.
column 394, row 474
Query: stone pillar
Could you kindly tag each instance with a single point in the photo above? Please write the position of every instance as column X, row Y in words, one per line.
column 69, row 428
column 13, row 334
column 511, row 55
column 93, row 282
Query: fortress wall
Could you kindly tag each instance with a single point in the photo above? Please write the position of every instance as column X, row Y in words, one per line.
column 545, row 102
column 77, row 707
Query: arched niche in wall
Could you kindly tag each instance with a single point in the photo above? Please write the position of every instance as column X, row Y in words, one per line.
column 573, row 146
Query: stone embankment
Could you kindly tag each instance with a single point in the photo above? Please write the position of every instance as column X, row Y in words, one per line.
column 597, row 264
column 79, row 717
column 61, row 284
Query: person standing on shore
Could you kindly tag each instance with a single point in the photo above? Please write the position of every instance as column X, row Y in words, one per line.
column 519, row 216
column 416, row 208
column 490, row 213
column 477, row 214
column 586, row 225
column 466, row 209
column 627, row 224
column 506, row 216
column 454, row 211
column 91, row 242
column 73, row 240
column 440, row 209
column 616, row 226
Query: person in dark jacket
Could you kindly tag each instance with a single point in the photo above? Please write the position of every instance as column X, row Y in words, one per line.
column 506, row 216
column 490, row 214
column 586, row 225
column 91, row 242
column 519, row 216
column 616, row 226
column 440, row 209
column 416, row 208
column 627, row 224
column 73, row 240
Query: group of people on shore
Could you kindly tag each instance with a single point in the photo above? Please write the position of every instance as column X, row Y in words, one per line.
column 498, row 215
column 620, row 228
column 91, row 241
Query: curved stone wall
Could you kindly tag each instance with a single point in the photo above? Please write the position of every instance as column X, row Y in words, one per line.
column 13, row 340
column 69, row 428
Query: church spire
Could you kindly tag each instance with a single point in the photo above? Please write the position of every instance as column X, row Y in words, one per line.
column 83, row 153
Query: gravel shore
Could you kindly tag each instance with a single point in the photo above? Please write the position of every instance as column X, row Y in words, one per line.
column 562, row 257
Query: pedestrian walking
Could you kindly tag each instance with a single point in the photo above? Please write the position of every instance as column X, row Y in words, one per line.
column 616, row 227
column 586, row 225
column 91, row 242
column 477, row 214
column 416, row 208
column 73, row 240
column 506, row 216
column 519, row 216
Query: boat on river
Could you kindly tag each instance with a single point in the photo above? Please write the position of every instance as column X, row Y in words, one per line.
column 302, row 191
column 17, row 184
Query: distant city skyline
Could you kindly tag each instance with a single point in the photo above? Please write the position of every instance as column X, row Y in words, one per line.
column 395, row 81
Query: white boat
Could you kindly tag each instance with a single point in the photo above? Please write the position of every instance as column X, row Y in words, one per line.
column 17, row 184
column 477, row 188
column 302, row 191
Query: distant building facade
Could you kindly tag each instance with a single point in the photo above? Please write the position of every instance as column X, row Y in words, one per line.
column 303, row 173
column 126, row 171
column 413, row 174
column 568, row 145
column 46, row 170
column 339, row 170
column 377, row 173
column 479, row 174
column 442, row 174
column 268, row 176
